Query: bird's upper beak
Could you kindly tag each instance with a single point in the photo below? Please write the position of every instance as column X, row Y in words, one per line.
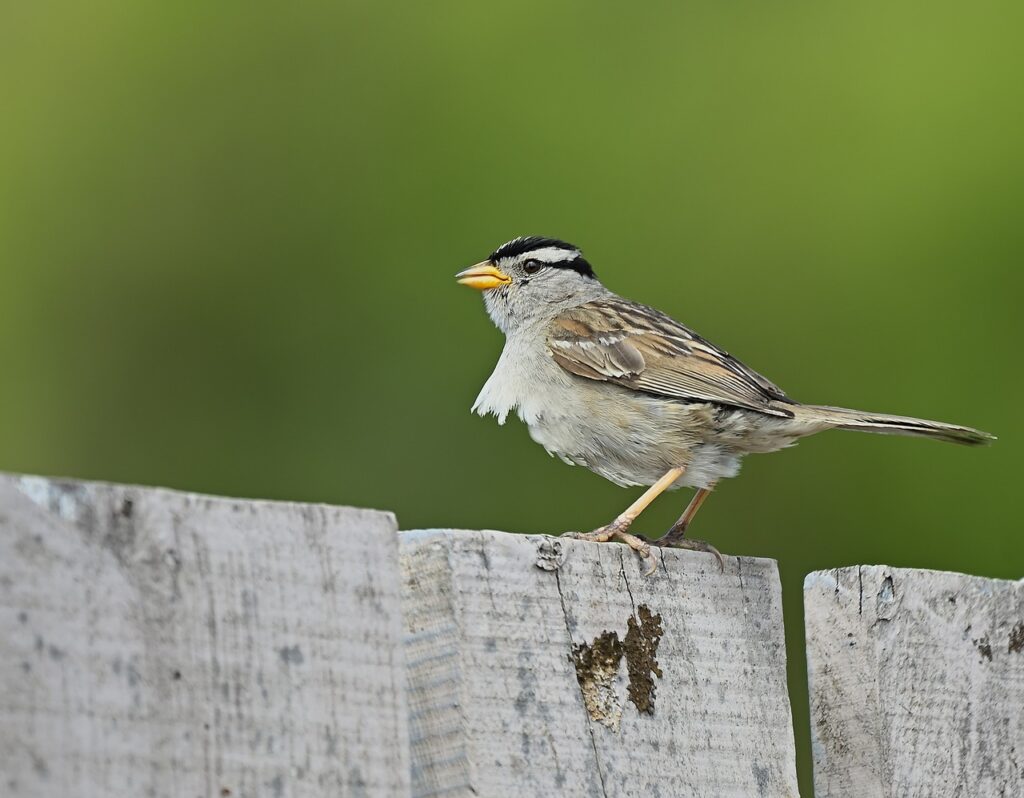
column 483, row 276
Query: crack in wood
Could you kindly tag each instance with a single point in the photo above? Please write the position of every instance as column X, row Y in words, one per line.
column 590, row 729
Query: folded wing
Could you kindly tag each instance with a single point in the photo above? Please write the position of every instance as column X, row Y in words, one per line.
column 641, row 348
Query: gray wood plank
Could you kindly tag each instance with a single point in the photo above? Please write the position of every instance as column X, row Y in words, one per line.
column 155, row 643
column 544, row 667
column 916, row 683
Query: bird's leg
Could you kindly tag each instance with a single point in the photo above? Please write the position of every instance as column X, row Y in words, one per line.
column 629, row 515
column 678, row 530
column 617, row 529
column 676, row 536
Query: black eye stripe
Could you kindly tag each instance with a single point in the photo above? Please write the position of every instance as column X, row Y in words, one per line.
column 579, row 265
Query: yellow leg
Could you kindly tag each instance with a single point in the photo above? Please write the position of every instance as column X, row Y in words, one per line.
column 617, row 529
column 629, row 515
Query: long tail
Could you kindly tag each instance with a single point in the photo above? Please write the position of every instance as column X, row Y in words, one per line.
column 844, row 418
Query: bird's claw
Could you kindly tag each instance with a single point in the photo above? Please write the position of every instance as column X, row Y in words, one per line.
column 692, row 545
column 590, row 537
column 612, row 532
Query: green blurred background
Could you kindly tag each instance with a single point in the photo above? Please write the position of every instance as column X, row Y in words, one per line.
column 228, row 235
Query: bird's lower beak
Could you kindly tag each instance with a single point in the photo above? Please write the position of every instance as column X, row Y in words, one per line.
column 483, row 276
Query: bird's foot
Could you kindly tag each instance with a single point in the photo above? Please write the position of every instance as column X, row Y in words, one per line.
column 673, row 542
column 600, row 535
column 617, row 532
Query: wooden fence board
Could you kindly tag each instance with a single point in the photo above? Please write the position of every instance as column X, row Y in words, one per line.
column 155, row 643
column 916, row 683
column 589, row 679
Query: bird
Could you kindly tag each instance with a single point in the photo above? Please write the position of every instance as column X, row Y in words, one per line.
column 635, row 396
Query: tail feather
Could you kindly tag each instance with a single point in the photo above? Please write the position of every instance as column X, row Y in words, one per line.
column 844, row 418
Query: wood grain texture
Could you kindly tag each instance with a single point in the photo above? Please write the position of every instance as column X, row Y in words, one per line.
column 155, row 643
column 916, row 683
column 539, row 667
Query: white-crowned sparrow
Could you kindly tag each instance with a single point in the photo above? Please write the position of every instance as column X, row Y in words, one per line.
column 633, row 395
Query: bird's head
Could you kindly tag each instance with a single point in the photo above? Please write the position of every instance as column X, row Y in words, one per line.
column 531, row 277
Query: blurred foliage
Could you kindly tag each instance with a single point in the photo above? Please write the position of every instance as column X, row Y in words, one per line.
column 228, row 234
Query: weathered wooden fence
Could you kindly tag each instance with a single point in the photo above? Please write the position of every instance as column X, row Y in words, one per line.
column 156, row 643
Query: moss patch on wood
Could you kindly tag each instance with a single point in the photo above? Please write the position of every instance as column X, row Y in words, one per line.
column 641, row 644
column 597, row 666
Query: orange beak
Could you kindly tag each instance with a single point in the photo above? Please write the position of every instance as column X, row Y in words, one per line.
column 483, row 276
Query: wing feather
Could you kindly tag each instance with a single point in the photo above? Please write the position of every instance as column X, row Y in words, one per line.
column 638, row 347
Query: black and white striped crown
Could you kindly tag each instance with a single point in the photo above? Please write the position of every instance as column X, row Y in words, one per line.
column 549, row 251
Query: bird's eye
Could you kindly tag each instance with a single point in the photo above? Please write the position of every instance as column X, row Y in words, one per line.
column 532, row 266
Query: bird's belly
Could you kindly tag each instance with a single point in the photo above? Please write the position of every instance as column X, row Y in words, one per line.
column 634, row 439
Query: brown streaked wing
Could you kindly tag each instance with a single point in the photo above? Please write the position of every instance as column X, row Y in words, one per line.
column 636, row 346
